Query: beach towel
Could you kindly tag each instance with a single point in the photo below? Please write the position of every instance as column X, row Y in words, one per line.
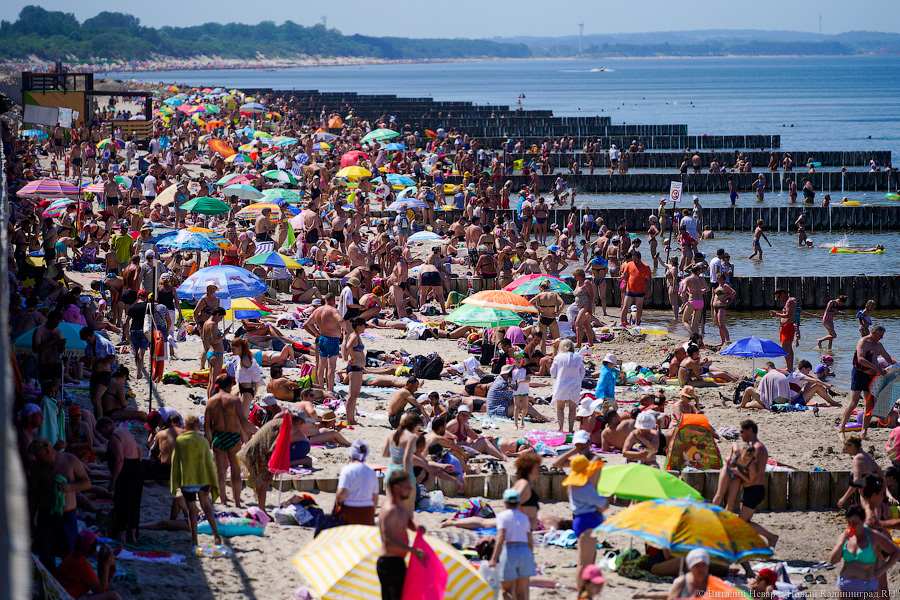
column 425, row 581
column 192, row 464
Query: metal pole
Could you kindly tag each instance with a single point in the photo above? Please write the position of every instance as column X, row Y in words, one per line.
column 15, row 567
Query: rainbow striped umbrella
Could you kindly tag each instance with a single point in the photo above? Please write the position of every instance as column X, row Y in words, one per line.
column 255, row 210
column 49, row 188
column 93, row 188
column 340, row 565
column 500, row 299
column 273, row 259
column 58, row 207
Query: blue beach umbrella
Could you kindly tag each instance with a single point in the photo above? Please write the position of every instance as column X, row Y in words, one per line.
column 754, row 347
column 233, row 282
column 188, row 240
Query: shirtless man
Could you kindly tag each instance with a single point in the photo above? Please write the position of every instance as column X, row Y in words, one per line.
column 48, row 344
column 466, row 436
column 473, row 234
column 394, row 523
column 358, row 258
column 306, row 411
column 324, row 324
column 264, row 227
column 52, row 528
column 754, row 483
column 402, row 397
column 616, row 432
column 862, row 465
column 757, row 234
column 224, row 421
column 865, row 368
column 215, row 340
column 126, row 481
column 114, row 402
column 787, row 330
column 132, row 282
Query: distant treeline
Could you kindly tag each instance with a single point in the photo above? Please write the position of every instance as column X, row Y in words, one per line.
column 750, row 48
column 53, row 35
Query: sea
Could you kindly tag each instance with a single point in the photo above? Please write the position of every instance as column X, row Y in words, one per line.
column 813, row 103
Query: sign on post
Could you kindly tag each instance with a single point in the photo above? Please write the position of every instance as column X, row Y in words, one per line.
column 675, row 191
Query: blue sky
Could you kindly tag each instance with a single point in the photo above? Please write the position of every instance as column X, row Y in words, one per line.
column 479, row 18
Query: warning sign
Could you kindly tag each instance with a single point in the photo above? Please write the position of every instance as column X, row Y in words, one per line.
column 675, row 191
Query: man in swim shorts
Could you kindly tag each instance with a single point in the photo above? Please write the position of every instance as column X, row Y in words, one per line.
column 224, row 422
column 324, row 324
column 787, row 330
column 754, row 485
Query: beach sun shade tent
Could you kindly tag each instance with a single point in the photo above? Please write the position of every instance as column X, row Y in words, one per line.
column 754, row 347
column 71, row 333
column 340, row 565
column 478, row 316
column 233, row 282
column 529, row 285
column 500, row 299
column 48, row 188
column 692, row 445
column 206, row 206
column 641, row 482
column 682, row 525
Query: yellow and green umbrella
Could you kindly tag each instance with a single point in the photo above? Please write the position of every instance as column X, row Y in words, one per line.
column 340, row 565
column 681, row 525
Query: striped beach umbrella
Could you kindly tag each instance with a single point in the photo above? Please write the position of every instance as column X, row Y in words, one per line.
column 234, row 178
column 529, row 285
column 500, row 299
column 255, row 210
column 215, row 237
column 379, row 134
column 273, row 259
column 48, row 188
column 282, row 176
column 404, row 204
column 58, row 207
column 93, row 188
column 340, row 565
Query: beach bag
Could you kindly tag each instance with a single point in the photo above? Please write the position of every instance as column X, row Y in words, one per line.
column 305, row 381
column 428, row 367
column 326, row 521
column 739, row 391
column 148, row 324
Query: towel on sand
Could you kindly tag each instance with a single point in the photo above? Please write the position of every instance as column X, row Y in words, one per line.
column 192, row 464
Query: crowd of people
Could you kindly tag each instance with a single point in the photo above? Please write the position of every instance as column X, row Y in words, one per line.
column 116, row 241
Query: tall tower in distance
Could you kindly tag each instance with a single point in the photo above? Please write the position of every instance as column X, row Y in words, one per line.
column 581, row 34
column 820, row 23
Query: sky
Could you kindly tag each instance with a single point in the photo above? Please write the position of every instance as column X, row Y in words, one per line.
column 483, row 19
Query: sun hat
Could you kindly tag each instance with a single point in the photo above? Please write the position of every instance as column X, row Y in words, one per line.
column 688, row 392
column 328, row 416
column 580, row 437
column 767, row 575
column 695, row 556
column 353, row 282
column 611, row 358
column 645, row 420
column 268, row 400
column 507, row 369
column 582, row 469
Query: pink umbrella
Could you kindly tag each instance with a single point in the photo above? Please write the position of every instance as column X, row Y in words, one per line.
column 94, row 188
column 280, row 461
column 352, row 158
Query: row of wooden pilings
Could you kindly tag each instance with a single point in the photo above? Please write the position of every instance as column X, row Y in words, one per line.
column 673, row 159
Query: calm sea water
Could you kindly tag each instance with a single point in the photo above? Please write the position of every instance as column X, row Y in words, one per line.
column 831, row 103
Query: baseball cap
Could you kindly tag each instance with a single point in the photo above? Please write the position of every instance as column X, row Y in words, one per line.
column 767, row 575
column 593, row 574
column 153, row 420
column 268, row 400
column 580, row 437
column 463, row 408
column 511, row 495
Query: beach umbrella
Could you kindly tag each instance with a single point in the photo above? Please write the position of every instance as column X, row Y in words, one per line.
column 93, row 188
column 206, row 206
column 220, row 147
column 424, row 236
column 354, row 172
column 35, row 134
column 641, row 482
column 396, row 179
column 680, row 525
column 71, row 333
column 399, row 205
column 321, row 146
column 282, row 176
column 188, row 240
column 255, row 210
column 124, row 181
column 273, row 116
column 262, row 134
column 281, row 196
column 58, row 207
column 212, row 125
column 500, row 299
column 335, row 123
column 233, row 178
column 754, row 347
column 395, row 146
column 340, row 565
column 273, row 259
column 196, row 120
column 478, row 316
column 215, row 237
column 252, row 108
column 48, row 188
column 246, row 308
column 233, row 282
column 379, row 134
column 430, row 134
column 166, row 197
column 282, row 141
column 352, row 158
column 173, row 101
column 529, row 285
column 238, row 158
column 243, row 191
column 325, row 136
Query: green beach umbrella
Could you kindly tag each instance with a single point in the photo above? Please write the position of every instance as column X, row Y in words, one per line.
column 379, row 134
column 529, row 285
column 282, row 176
column 206, row 206
column 478, row 316
column 286, row 196
column 640, row 482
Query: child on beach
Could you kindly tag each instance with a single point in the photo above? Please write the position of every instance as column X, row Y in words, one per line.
column 521, row 379
column 757, row 234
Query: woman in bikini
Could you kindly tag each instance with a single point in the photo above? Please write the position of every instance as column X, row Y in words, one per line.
column 652, row 233
column 859, row 547
column 486, row 267
column 599, row 269
column 541, row 213
column 722, row 297
column 865, row 318
column 301, row 291
column 583, row 294
column 693, row 289
column 355, row 355
column 202, row 312
column 549, row 305
column 247, row 372
column 114, row 402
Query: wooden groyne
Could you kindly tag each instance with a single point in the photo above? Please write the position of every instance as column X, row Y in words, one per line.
column 673, row 159
column 753, row 293
column 833, row 182
column 741, row 218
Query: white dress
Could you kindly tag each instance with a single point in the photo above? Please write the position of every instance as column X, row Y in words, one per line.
column 567, row 372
